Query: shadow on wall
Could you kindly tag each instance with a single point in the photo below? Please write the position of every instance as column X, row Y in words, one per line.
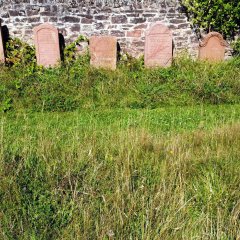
column 61, row 45
column 5, row 36
column 173, row 47
column 118, row 51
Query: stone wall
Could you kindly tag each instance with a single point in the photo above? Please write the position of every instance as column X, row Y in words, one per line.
column 126, row 19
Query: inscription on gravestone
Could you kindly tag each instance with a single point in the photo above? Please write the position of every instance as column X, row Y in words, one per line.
column 158, row 46
column 47, row 45
column 103, row 51
column 2, row 57
column 212, row 48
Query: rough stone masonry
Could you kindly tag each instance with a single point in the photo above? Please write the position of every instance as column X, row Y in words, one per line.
column 126, row 19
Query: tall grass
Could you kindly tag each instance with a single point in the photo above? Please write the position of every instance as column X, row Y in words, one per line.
column 156, row 174
column 79, row 86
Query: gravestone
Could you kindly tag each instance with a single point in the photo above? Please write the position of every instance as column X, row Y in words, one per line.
column 47, row 45
column 212, row 48
column 158, row 46
column 2, row 57
column 103, row 52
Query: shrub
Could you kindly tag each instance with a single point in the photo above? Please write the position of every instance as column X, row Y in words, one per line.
column 20, row 53
column 70, row 51
column 236, row 47
column 215, row 15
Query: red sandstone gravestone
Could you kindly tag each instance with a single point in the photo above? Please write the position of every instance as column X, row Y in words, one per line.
column 212, row 48
column 103, row 51
column 2, row 57
column 158, row 46
column 47, row 45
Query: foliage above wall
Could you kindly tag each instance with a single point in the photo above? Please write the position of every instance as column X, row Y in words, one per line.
column 215, row 15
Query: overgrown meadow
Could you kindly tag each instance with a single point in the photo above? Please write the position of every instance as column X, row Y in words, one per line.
column 170, row 173
column 132, row 154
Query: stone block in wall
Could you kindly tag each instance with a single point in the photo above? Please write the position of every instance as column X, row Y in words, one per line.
column 149, row 15
column 127, row 26
column 75, row 28
column 34, row 19
column 15, row 13
column 21, row 20
column 32, row 10
column 98, row 26
column 178, row 20
column 138, row 44
column 117, row 33
column 101, row 17
column 141, row 26
column 134, row 33
column 119, row 19
column 138, row 20
column 183, row 26
column 87, row 20
column 71, row 19
column 53, row 19
column 86, row 28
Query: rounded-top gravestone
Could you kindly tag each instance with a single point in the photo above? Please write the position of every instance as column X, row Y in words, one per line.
column 158, row 46
column 47, row 45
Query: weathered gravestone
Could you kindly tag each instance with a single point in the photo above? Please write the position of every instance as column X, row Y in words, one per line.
column 2, row 57
column 103, row 51
column 47, row 45
column 212, row 48
column 158, row 46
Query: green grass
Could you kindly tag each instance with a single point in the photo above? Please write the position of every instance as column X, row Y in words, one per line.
column 131, row 154
column 78, row 86
column 166, row 173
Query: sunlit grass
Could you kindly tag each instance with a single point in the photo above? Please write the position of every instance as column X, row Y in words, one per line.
column 170, row 173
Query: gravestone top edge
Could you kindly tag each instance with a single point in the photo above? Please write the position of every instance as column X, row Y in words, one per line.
column 104, row 37
column 156, row 26
column 204, row 42
column 45, row 26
